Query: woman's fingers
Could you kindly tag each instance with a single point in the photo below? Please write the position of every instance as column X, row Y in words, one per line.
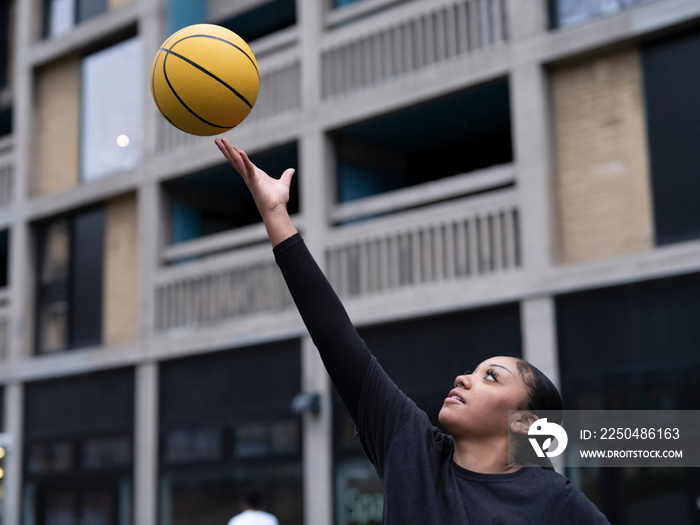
column 287, row 176
column 234, row 156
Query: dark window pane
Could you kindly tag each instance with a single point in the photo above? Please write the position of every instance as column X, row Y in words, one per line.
column 5, row 121
column 4, row 256
column 52, row 286
column 88, row 8
column 671, row 85
column 53, row 327
column 634, row 347
column 86, row 278
column 80, row 407
column 55, row 252
column 233, row 436
column 216, row 200
column 182, row 13
column 448, row 136
column 263, row 20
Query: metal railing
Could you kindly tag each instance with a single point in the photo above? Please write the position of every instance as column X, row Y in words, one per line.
column 465, row 239
column 218, row 290
column 409, row 39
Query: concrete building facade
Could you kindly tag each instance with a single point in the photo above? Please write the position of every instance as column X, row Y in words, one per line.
column 475, row 177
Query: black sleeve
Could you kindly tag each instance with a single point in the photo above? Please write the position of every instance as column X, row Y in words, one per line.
column 344, row 353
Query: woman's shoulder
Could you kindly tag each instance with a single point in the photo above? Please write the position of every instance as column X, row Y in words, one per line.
column 549, row 478
column 564, row 496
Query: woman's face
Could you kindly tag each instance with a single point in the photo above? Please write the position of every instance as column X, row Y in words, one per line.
column 477, row 407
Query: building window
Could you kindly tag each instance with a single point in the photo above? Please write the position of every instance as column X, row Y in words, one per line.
column 423, row 357
column 69, row 282
column 182, row 13
column 61, row 16
column 671, row 85
column 448, row 136
column 4, row 257
column 232, row 436
column 78, row 449
column 634, row 347
column 567, row 13
column 267, row 18
column 112, row 110
column 216, row 200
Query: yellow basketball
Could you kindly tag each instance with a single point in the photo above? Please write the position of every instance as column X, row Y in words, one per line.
column 205, row 79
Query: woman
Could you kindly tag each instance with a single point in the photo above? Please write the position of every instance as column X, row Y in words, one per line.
column 429, row 477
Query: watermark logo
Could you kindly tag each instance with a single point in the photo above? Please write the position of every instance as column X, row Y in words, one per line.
column 542, row 427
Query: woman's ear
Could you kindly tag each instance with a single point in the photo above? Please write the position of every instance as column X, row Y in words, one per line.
column 520, row 421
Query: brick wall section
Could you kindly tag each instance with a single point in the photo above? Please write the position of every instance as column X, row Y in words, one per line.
column 56, row 148
column 602, row 186
column 121, row 276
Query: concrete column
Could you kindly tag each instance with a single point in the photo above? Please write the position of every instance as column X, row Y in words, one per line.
column 532, row 148
column 20, row 260
column 150, row 219
column 314, row 205
column 527, row 19
column 531, row 133
column 318, row 501
column 14, row 408
column 538, row 320
column 310, row 22
column 317, row 446
column 146, row 445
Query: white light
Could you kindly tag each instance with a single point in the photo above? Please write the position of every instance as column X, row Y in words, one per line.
column 123, row 141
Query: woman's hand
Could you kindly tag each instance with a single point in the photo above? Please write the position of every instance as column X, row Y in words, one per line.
column 270, row 195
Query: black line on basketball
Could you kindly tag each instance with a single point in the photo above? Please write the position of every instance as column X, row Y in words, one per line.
column 220, row 40
column 209, row 73
column 165, row 74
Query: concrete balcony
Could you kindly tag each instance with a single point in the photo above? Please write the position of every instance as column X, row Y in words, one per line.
column 409, row 39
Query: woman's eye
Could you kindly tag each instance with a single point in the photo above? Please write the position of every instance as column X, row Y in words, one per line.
column 491, row 375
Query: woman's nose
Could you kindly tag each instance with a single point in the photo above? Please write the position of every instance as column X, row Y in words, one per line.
column 463, row 381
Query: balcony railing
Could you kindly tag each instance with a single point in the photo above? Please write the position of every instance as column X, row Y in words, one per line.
column 409, row 39
column 465, row 239
column 218, row 290
column 7, row 170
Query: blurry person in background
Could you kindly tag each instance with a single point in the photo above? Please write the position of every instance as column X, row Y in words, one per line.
column 251, row 514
